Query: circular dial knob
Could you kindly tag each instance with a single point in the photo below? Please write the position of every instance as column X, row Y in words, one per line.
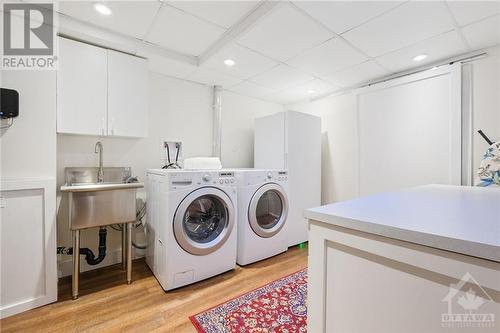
column 269, row 175
column 206, row 177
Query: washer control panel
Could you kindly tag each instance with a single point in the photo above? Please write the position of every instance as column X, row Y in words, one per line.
column 226, row 178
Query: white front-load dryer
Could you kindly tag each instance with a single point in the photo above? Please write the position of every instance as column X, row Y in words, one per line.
column 192, row 225
column 262, row 214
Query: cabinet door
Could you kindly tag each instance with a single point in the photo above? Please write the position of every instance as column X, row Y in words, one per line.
column 127, row 95
column 81, row 88
column 28, row 260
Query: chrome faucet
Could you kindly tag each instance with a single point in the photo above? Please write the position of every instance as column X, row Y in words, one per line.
column 100, row 172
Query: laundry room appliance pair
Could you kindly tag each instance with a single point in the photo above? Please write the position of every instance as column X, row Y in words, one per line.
column 202, row 222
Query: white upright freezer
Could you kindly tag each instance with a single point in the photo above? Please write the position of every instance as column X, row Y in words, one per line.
column 292, row 140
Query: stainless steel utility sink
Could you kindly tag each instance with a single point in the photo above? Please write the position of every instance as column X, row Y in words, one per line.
column 93, row 203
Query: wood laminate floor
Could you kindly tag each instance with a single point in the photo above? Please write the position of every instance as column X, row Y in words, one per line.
column 107, row 304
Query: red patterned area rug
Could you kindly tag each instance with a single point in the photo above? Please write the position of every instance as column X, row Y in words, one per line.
column 277, row 307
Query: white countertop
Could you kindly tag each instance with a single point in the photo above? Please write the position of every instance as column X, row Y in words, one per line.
column 453, row 218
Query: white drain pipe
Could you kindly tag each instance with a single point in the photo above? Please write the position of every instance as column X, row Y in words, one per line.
column 217, row 128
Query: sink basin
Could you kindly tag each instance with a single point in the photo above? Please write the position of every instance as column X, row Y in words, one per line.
column 94, row 204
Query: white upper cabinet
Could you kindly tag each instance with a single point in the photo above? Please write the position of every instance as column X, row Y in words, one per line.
column 101, row 92
column 81, row 88
column 127, row 95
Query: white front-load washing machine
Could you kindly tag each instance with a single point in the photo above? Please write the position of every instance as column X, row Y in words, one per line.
column 192, row 225
column 262, row 214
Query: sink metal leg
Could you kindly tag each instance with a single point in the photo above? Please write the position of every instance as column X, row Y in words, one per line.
column 124, row 246
column 76, row 263
column 129, row 253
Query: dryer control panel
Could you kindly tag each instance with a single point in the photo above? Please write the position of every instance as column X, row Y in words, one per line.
column 281, row 175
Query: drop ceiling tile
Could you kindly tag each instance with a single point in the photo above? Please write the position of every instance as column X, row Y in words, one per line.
column 247, row 62
column 251, row 89
column 284, row 32
column 182, row 32
column 212, row 78
column 466, row 12
column 400, row 27
column 281, row 77
column 484, row 33
column 341, row 16
column 169, row 67
column 358, row 74
column 223, row 13
column 132, row 18
column 328, row 57
column 310, row 89
column 443, row 46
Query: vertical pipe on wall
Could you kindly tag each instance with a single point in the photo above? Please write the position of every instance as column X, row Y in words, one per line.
column 217, row 127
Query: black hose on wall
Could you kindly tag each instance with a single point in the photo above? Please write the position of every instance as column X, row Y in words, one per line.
column 90, row 258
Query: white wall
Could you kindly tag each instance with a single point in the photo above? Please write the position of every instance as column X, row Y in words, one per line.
column 180, row 111
column 340, row 128
column 28, row 148
column 238, row 115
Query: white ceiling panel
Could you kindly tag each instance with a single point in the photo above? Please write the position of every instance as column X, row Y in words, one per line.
column 181, row 32
column 169, row 67
column 247, row 62
column 310, row 89
column 223, row 13
column 466, row 12
column 132, row 18
column 358, row 74
column 251, row 89
column 210, row 77
column 402, row 26
column 436, row 48
column 341, row 16
column 284, row 32
column 328, row 57
column 281, row 77
column 484, row 33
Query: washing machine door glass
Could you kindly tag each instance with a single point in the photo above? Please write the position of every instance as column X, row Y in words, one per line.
column 268, row 210
column 204, row 221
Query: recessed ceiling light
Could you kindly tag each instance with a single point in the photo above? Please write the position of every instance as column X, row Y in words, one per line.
column 102, row 9
column 420, row 57
column 229, row 62
column 311, row 91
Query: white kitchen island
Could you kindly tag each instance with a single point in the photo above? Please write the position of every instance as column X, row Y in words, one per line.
column 425, row 259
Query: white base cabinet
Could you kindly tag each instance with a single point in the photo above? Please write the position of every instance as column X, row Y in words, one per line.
column 101, row 92
column 28, row 260
column 360, row 282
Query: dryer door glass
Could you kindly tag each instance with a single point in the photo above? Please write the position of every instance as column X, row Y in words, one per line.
column 269, row 209
column 205, row 219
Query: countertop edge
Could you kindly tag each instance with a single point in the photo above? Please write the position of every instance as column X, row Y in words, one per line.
column 470, row 248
